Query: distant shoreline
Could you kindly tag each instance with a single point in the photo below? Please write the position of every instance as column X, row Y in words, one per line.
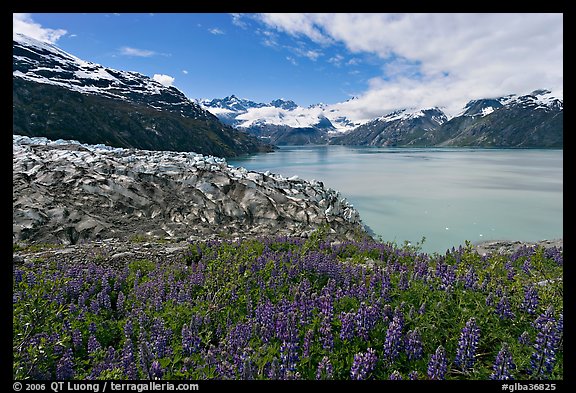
column 507, row 246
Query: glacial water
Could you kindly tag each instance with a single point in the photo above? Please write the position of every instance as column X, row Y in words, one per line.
column 447, row 195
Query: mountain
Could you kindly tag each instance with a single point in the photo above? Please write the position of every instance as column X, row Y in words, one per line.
column 280, row 122
column 534, row 120
column 58, row 95
column 399, row 128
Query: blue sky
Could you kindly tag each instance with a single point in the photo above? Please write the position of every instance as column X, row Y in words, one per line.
column 387, row 61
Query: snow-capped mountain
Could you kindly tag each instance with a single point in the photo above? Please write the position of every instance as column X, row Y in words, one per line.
column 244, row 113
column 58, row 95
column 537, row 100
column 532, row 120
column 280, row 121
column 402, row 127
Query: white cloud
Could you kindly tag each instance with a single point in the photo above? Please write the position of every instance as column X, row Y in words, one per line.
column 438, row 59
column 166, row 80
column 128, row 51
column 292, row 60
column 185, row 72
column 311, row 54
column 216, row 31
column 23, row 24
column 237, row 20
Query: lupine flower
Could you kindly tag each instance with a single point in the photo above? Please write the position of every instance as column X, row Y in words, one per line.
column 120, row 302
column 554, row 253
column 524, row 338
column 93, row 344
column 530, row 302
column 503, row 309
column 128, row 361
column 393, row 343
column 366, row 318
column 156, row 370
column 364, row 363
column 543, row 358
column 503, row 365
column 65, row 367
column 438, row 365
column 511, row 273
column 467, row 345
column 413, row 345
column 403, row 283
column 413, row 375
column 470, row 279
column 325, row 331
column 307, row 343
column 527, row 266
column 324, row 370
column 288, row 359
column 77, row 339
column 347, row 330
column 395, row 376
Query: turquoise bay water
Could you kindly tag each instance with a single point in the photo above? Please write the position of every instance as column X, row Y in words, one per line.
column 447, row 195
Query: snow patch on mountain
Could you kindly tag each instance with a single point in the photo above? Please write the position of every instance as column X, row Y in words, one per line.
column 66, row 70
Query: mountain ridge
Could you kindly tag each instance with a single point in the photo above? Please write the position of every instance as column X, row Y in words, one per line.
column 530, row 120
column 58, row 95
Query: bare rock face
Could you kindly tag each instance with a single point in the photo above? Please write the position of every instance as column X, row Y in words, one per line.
column 65, row 192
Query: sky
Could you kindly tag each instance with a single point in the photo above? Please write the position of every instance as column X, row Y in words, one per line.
column 365, row 65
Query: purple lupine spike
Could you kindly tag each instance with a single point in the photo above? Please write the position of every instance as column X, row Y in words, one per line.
column 543, row 358
column 308, row 337
column 470, row 279
column 120, row 303
column 393, row 343
column 554, row 253
column 128, row 328
column 413, row 375
column 503, row 309
column 511, row 273
column 288, row 359
column 77, row 339
column 395, row 376
column 524, row 338
column 324, row 370
column 403, row 283
column 128, row 361
column 93, row 344
column 326, row 336
column 347, row 330
column 531, row 300
column 65, row 367
column 365, row 318
column 527, row 266
column 414, row 345
column 156, row 371
column 467, row 345
column 438, row 365
column 364, row 363
column 503, row 365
